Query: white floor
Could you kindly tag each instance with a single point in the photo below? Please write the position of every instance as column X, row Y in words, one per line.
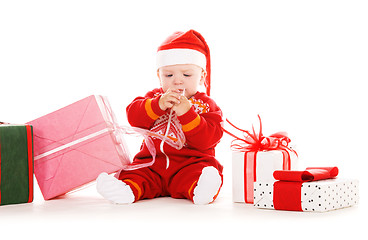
column 88, row 215
column 85, row 213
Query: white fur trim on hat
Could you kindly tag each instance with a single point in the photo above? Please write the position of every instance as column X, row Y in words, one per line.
column 180, row 56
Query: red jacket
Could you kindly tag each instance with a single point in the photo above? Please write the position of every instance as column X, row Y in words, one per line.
column 201, row 125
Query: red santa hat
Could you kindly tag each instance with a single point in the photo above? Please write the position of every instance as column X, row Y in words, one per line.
column 186, row 48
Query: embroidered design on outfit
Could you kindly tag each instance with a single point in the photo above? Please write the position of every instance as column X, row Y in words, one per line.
column 199, row 106
column 160, row 126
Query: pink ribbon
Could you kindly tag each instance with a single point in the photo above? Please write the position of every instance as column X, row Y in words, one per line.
column 119, row 131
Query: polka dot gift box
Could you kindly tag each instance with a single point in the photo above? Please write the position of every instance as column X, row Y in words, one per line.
column 313, row 190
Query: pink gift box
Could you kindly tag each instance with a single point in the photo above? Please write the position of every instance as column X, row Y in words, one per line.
column 74, row 144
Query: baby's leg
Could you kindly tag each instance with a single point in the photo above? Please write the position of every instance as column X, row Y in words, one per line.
column 129, row 186
column 208, row 186
column 199, row 182
column 114, row 190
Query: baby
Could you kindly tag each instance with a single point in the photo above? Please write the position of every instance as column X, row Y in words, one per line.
column 192, row 172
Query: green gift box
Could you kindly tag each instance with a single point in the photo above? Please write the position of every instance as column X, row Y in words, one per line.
column 16, row 164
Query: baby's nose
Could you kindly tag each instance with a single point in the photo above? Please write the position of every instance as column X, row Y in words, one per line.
column 178, row 80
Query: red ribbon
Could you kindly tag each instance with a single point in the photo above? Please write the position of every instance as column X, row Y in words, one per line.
column 0, row 168
column 310, row 174
column 250, row 144
column 258, row 142
column 30, row 161
column 287, row 191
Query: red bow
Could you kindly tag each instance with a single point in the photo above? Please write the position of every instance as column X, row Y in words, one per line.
column 310, row 174
column 287, row 191
column 258, row 142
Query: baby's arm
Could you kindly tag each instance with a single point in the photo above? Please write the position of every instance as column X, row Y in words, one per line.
column 143, row 111
column 202, row 131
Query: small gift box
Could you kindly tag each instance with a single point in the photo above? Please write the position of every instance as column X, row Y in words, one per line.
column 315, row 189
column 257, row 166
column 16, row 164
column 255, row 158
column 74, row 144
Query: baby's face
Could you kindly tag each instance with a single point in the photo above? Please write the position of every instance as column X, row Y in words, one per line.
column 180, row 77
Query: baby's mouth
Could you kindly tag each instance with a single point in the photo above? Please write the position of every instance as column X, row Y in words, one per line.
column 182, row 91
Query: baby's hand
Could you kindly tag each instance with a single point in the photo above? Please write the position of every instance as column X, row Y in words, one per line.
column 169, row 99
column 183, row 106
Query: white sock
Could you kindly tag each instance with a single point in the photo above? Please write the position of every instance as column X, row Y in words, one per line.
column 114, row 190
column 208, row 186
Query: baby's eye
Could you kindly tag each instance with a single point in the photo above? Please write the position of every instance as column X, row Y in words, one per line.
column 187, row 75
column 169, row 75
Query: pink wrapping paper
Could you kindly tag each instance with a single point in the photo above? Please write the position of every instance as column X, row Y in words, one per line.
column 74, row 144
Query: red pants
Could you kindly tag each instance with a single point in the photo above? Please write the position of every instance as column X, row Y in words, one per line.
column 178, row 181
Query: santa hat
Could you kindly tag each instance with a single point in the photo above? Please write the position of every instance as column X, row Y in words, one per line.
column 186, row 48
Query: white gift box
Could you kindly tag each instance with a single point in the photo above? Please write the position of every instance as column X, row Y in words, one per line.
column 266, row 163
column 317, row 196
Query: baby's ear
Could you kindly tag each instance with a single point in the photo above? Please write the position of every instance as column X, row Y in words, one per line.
column 203, row 77
column 159, row 79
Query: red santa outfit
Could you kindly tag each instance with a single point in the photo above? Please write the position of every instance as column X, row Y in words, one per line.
column 202, row 128
column 179, row 173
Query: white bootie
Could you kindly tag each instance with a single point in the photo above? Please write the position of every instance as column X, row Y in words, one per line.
column 208, row 186
column 114, row 190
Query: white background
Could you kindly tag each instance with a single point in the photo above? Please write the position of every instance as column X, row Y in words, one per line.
column 301, row 65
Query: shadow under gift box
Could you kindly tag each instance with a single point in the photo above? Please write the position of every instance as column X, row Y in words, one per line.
column 74, row 144
column 16, row 164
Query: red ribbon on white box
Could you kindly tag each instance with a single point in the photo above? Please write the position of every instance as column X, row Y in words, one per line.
column 250, row 173
column 310, row 174
column 287, row 191
column 250, row 144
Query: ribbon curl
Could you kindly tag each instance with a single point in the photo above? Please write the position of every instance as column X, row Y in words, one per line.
column 258, row 142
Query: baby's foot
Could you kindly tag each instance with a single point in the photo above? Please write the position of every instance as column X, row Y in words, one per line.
column 114, row 190
column 208, row 186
